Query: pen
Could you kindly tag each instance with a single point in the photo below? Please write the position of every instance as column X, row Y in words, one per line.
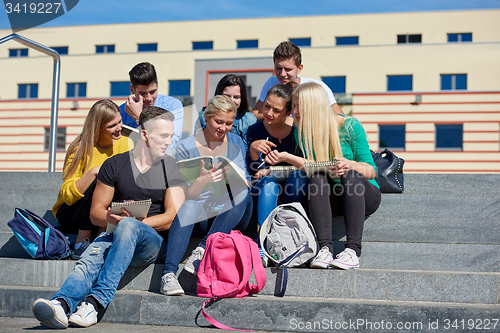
column 263, row 162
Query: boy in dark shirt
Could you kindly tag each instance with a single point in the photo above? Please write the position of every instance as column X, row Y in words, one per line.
column 143, row 173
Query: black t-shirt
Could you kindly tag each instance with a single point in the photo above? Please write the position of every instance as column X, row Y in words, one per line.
column 121, row 173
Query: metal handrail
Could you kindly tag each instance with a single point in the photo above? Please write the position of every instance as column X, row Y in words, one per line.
column 55, row 89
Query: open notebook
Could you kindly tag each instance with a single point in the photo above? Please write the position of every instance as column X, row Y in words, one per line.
column 138, row 209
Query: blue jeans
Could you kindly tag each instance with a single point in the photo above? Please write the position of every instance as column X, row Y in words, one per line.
column 267, row 191
column 236, row 217
column 103, row 264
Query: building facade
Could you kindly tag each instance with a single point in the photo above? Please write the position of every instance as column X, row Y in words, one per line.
column 424, row 84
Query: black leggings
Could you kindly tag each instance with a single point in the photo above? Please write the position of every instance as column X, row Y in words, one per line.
column 355, row 198
column 77, row 216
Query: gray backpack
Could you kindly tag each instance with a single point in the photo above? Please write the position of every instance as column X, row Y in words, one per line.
column 287, row 237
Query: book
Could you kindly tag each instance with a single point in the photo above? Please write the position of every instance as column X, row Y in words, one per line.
column 235, row 177
column 127, row 130
column 282, row 172
column 138, row 209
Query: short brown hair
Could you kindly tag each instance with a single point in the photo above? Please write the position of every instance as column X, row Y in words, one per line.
column 287, row 50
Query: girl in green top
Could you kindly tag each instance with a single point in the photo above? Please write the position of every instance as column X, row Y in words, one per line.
column 325, row 136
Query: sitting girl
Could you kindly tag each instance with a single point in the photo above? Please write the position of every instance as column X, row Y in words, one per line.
column 233, row 86
column 207, row 212
column 348, row 188
column 100, row 139
column 269, row 142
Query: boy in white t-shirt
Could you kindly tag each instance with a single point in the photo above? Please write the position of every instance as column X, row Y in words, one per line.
column 287, row 66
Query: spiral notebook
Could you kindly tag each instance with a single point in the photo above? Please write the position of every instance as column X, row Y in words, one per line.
column 282, row 172
column 138, row 209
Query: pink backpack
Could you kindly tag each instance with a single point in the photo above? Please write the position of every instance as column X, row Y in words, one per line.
column 226, row 268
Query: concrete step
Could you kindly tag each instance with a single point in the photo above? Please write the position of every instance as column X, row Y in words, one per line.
column 269, row 313
column 363, row 284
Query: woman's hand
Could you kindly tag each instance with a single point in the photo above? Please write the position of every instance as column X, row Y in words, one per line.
column 95, row 171
column 262, row 146
column 210, row 176
column 275, row 157
column 343, row 166
column 261, row 173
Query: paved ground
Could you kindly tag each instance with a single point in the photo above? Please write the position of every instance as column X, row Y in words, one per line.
column 11, row 325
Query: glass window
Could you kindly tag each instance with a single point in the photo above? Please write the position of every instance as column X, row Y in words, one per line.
column 354, row 40
column 104, row 49
column 179, row 87
column 301, row 41
column 149, row 47
column 247, row 44
column 453, row 81
column 399, row 82
column 60, row 141
column 449, row 136
column 460, row 37
column 414, row 38
column 29, row 90
column 18, row 53
column 208, row 45
column 76, row 89
column 60, row 49
column 120, row 88
column 392, row 136
column 335, row 83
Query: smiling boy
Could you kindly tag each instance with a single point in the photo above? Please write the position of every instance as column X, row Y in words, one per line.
column 287, row 67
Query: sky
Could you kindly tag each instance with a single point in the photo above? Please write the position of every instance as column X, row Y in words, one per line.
column 129, row 11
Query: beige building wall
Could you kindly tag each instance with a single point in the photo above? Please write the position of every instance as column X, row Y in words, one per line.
column 365, row 66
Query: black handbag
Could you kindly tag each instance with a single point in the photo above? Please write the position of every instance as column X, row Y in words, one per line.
column 389, row 176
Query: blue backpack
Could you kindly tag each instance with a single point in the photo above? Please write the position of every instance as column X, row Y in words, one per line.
column 38, row 237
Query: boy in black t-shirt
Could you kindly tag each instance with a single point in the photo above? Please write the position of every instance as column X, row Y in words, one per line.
column 143, row 173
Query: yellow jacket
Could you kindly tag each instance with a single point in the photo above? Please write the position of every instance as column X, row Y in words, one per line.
column 68, row 193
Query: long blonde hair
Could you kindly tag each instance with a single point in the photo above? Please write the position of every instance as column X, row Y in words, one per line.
column 318, row 126
column 102, row 112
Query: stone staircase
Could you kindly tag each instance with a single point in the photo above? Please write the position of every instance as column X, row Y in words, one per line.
column 430, row 256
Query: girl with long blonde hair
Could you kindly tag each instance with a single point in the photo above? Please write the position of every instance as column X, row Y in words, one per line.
column 348, row 188
column 100, row 139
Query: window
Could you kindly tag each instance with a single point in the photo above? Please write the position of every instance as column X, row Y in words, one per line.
column 76, row 89
column 353, row 40
column 203, row 45
column 60, row 49
column 27, row 90
column 18, row 53
column 392, row 136
column 404, row 39
column 449, row 137
column 335, row 83
column 60, row 141
column 150, row 47
column 453, row 81
column 399, row 82
column 247, row 44
column 104, row 49
column 460, row 38
column 120, row 88
column 179, row 87
column 301, row 41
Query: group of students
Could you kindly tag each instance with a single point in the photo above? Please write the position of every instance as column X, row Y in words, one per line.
column 295, row 121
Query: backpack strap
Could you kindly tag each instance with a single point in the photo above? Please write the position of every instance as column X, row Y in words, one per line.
column 215, row 322
column 259, row 271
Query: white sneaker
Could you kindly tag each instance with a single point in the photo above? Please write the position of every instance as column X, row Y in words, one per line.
column 170, row 285
column 346, row 259
column 194, row 260
column 50, row 313
column 85, row 315
column 323, row 258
